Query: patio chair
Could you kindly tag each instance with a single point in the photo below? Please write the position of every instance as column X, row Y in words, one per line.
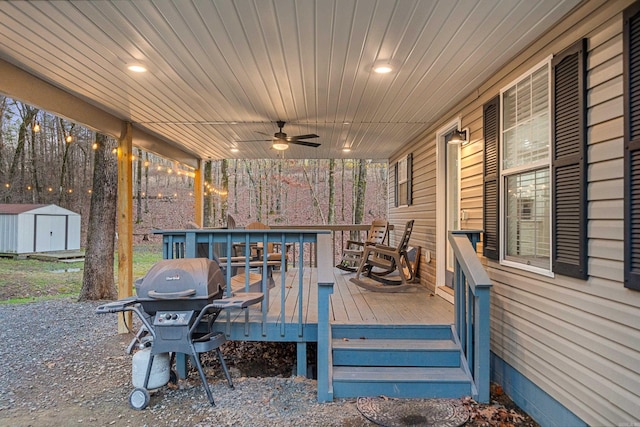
column 353, row 251
column 387, row 268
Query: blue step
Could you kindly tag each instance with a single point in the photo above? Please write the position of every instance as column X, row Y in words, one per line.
column 395, row 352
column 401, row 382
column 442, row 332
column 404, row 361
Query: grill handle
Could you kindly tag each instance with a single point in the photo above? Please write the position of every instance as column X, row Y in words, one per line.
column 172, row 295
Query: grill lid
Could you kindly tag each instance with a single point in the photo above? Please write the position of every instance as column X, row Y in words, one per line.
column 179, row 279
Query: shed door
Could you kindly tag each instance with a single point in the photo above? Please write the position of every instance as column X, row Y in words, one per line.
column 51, row 233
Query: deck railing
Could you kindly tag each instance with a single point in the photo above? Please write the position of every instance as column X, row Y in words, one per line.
column 472, row 288
column 218, row 244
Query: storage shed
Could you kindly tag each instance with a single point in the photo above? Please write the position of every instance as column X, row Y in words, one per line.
column 38, row 228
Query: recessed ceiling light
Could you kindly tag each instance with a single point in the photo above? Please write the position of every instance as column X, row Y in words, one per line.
column 346, row 149
column 234, row 150
column 383, row 68
column 136, row 68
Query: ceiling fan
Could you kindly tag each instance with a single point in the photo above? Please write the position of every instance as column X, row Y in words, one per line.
column 280, row 140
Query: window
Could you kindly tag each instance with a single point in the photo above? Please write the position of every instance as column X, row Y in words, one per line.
column 403, row 172
column 540, row 177
column 525, row 168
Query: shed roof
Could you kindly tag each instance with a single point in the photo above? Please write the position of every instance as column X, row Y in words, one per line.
column 17, row 208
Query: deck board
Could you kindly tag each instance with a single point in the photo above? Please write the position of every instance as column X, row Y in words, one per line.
column 352, row 304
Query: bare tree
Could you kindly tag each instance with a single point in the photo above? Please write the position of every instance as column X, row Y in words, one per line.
column 224, row 171
column 97, row 281
column 332, row 192
column 208, row 197
column 139, row 187
column 361, row 188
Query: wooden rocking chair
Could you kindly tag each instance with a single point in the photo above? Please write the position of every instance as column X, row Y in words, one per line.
column 352, row 253
column 387, row 260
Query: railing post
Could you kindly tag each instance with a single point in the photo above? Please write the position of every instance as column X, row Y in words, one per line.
column 481, row 362
column 472, row 305
column 325, row 289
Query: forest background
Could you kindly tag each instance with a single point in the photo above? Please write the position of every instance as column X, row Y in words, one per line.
column 46, row 159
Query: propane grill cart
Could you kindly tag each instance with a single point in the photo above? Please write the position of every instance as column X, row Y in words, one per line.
column 178, row 302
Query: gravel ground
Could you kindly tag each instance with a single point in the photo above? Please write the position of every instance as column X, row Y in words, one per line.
column 64, row 365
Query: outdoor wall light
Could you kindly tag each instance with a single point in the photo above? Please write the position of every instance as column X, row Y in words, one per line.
column 280, row 145
column 458, row 137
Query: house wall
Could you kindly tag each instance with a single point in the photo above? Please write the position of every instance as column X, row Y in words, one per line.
column 575, row 341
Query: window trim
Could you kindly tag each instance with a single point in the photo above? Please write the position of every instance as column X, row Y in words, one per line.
column 540, row 164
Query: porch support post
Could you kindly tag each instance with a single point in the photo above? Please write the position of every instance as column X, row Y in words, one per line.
column 325, row 289
column 301, row 359
column 125, row 221
column 198, row 194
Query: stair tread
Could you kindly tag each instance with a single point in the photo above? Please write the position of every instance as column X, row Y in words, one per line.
column 407, row 374
column 394, row 344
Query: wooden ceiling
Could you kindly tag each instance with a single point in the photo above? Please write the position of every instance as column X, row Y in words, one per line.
column 222, row 71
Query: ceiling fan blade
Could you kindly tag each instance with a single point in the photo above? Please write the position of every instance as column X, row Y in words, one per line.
column 255, row 140
column 305, row 143
column 307, row 136
column 262, row 133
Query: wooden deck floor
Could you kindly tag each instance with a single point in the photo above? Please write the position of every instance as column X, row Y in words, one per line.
column 351, row 304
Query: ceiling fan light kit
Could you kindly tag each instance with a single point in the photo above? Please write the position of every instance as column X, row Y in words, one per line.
column 280, row 145
column 280, row 141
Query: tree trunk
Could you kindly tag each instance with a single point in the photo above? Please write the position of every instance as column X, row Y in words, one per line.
column 332, row 192
column 97, row 281
column 27, row 117
column 361, row 187
column 208, row 198
column 146, row 183
column 139, row 187
column 314, row 195
column 225, row 188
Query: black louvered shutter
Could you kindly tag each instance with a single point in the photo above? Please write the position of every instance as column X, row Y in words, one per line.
column 569, row 161
column 491, row 172
column 410, row 179
column 396, row 186
column 632, row 147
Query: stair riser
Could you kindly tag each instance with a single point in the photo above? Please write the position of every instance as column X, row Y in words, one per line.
column 396, row 358
column 401, row 389
column 437, row 332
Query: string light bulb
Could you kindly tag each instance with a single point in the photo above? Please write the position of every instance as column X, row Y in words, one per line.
column 95, row 146
column 36, row 127
column 69, row 138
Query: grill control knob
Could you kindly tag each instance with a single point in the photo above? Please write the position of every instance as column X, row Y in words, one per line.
column 174, row 317
column 167, row 316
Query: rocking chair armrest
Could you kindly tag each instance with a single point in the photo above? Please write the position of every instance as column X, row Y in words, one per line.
column 384, row 249
column 355, row 243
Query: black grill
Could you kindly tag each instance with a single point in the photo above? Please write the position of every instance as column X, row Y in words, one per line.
column 178, row 302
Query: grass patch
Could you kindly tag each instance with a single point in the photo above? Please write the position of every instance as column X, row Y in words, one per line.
column 32, row 280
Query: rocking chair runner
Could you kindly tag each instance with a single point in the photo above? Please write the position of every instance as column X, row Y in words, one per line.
column 389, row 260
column 352, row 254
